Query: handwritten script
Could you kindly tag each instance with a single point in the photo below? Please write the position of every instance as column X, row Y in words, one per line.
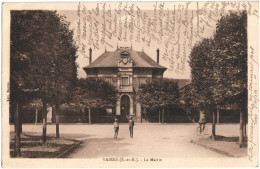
column 253, row 103
column 174, row 28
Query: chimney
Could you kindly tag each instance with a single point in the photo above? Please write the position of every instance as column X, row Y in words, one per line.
column 158, row 55
column 90, row 56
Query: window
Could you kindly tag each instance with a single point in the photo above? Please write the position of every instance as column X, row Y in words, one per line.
column 125, row 81
column 109, row 80
column 142, row 80
column 109, row 111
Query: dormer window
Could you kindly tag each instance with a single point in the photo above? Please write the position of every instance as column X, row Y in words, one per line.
column 124, row 54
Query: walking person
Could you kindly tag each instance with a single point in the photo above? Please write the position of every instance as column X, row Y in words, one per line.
column 116, row 128
column 131, row 127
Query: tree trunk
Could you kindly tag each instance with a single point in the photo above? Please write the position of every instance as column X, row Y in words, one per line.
column 44, row 123
column 217, row 115
column 89, row 116
column 244, row 130
column 162, row 115
column 57, row 111
column 159, row 116
column 244, row 127
column 53, row 114
column 36, row 116
column 213, row 125
column 241, row 140
column 20, row 117
column 17, row 152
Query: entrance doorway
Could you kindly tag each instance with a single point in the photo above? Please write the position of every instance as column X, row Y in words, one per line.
column 125, row 107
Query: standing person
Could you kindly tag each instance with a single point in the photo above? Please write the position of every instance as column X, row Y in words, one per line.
column 202, row 120
column 116, row 128
column 131, row 127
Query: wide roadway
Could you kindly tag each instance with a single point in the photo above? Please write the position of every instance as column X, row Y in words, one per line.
column 150, row 140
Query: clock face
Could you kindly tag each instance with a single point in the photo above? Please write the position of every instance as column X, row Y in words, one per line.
column 125, row 60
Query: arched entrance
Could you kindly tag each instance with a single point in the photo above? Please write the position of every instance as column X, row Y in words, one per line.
column 125, row 107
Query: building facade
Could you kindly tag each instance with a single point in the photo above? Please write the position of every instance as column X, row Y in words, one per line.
column 127, row 70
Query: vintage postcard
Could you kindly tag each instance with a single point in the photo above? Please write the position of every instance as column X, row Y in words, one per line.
column 130, row 84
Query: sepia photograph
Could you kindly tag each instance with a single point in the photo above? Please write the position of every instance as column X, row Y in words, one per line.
column 130, row 84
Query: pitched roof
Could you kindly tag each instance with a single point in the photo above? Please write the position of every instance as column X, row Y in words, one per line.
column 110, row 59
column 183, row 83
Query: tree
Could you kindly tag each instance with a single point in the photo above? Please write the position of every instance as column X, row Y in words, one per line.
column 231, row 52
column 203, row 71
column 44, row 39
column 158, row 94
column 94, row 93
column 219, row 68
column 18, row 83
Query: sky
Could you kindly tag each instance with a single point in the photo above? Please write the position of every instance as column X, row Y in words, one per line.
column 173, row 28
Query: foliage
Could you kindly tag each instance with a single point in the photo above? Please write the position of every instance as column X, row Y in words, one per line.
column 219, row 65
column 35, row 104
column 202, row 72
column 188, row 101
column 94, row 93
column 230, row 54
column 158, row 93
column 43, row 53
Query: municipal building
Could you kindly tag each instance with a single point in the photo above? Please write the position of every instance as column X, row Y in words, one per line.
column 126, row 69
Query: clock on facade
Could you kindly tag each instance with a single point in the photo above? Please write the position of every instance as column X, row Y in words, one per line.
column 125, row 60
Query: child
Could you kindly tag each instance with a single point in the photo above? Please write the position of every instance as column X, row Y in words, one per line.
column 116, row 128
